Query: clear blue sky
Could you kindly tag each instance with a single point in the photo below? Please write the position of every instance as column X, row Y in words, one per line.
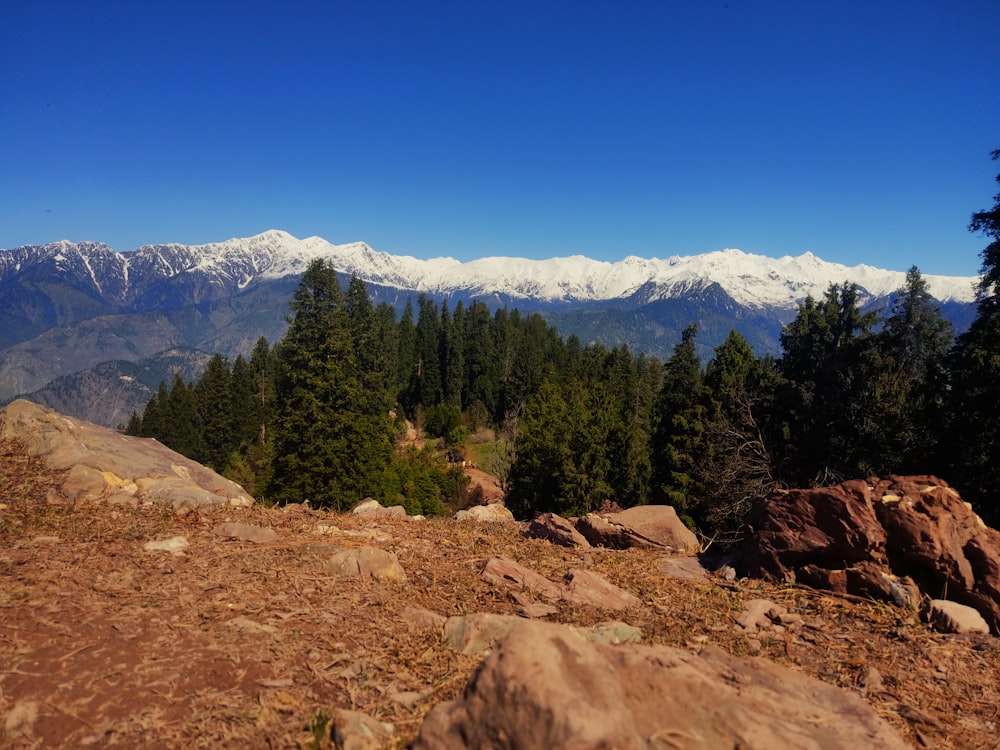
column 859, row 130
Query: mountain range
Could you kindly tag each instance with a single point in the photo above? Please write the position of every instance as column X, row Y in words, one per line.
column 92, row 331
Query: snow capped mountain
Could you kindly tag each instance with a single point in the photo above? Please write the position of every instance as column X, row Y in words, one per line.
column 751, row 280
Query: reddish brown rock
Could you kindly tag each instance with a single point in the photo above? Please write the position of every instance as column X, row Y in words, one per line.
column 889, row 539
column 506, row 572
column 586, row 587
column 546, row 686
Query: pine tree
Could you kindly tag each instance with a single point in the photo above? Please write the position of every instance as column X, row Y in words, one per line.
column 823, row 362
column 679, row 436
column 213, row 394
column 974, row 414
column 906, row 383
column 330, row 449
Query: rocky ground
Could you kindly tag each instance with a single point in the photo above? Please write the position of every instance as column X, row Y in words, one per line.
column 254, row 644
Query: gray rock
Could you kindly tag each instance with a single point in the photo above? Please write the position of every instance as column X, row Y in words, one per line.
column 486, row 513
column 365, row 562
column 103, row 465
column 952, row 617
column 246, row 533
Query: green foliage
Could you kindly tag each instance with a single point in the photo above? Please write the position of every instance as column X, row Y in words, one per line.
column 445, row 421
column 824, row 366
column 973, row 426
column 332, row 436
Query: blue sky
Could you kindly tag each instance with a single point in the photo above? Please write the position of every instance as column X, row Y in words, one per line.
column 860, row 131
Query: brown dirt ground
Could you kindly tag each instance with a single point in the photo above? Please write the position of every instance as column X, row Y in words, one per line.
column 237, row 644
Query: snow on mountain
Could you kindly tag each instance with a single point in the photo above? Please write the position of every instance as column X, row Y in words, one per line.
column 752, row 280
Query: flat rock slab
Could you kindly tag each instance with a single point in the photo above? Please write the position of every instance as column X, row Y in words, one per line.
column 505, row 572
column 952, row 617
column 481, row 631
column 644, row 526
column 104, row 465
column 586, row 587
column 365, row 562
column 557, row 530
column 245, row 532
column 545, row 685
column 580, row 586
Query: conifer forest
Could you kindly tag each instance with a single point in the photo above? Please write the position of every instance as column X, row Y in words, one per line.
column 321, row 416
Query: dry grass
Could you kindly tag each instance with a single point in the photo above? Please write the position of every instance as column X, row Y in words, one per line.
column 241, row 644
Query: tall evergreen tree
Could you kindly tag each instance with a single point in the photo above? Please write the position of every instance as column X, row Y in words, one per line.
column 974, row 424
column 680, row 426
column 330, row 449
column 823, row 361
column 906, row 383
column 213, row 394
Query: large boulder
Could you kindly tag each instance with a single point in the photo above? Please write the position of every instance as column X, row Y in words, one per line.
column 879, row 538
column 645, row 526
column 104, row 465
column 548, row 686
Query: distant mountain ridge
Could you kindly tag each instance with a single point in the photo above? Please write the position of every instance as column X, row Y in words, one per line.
column 70, row 306
column 751, row 280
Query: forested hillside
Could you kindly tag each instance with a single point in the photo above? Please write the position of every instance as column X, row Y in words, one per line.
column 317, row 416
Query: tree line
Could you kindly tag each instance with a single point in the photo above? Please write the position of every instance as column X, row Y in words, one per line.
column 855, row 393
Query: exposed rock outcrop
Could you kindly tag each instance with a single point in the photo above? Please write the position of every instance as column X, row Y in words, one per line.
column 884, row 538
column 104, row 465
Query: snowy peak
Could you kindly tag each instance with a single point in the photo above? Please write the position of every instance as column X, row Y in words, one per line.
column 755, row 281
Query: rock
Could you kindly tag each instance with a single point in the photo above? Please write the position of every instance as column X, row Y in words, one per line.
column 478, row 632
column 686, row 568
column 481, row 631
column 527, row 607
column 505, row 572
column 645, row 526
column 546, row 686
column 952, row 617
column 20, row 722
column 246, row 533
column 103, row 465
column 353, row 730
column 494, row 512
column 370, row 508
column 557, row 530
column 759, row 613
column 613, row 633
column 423, row 618
column 175, row 545
column 580, row 587
column 585, row 587
column 888, row 539
column 870, row 679
column 830, row 527
column 365, row 562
